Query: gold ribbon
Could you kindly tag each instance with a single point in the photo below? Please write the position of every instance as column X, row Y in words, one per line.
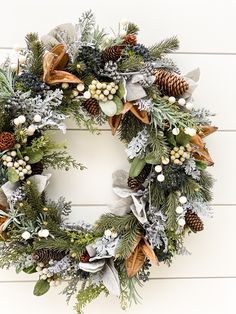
column 199, row 150
column 115, row 121
column 54, row 62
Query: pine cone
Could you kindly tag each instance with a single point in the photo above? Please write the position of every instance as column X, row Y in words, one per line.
column 130, row 39
column 135, row 183
column 37, row 168
column 193, row 221
column 91, row 105
column 7, row 141
column 112, row 53
column 45, row 255
column 172, row 84
column 85, row 258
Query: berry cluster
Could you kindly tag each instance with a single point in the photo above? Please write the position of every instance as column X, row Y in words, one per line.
column 101, row 91
column 45, row 274
column 10, row 160
column 180, row 154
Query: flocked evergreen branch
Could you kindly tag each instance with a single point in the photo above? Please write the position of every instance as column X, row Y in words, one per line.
column 164, row 47
column 85, row 26
column 34, row 63
column 6, row 84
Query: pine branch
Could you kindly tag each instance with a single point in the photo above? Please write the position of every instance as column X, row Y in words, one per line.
column 190, row 188
column 158, row 148
column 132, row 29
column 57, row 244
column 164, row 47
column 206, row 183
column 169, row 208
column 128, row 241
column 130, row 126
column 132, row 63
column 33, row 197
column 61, row 160
column 34, row 63
column 165, row 115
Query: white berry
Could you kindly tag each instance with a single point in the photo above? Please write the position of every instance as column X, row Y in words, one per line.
column 21, row 119
column 181, row 222
column 10, row 164
column 16, row 121
column 183, row 199
column 37, row 118
column 44, row 233
column 13, row 153
column 75, row 93
column 160, row 177
column 158, row 168
column 108, row 233
column 28, row 167
column 80, row 87
column 165, row 161
column 26, row 158
column 172, row 100
column 9, row 158
column 26, row 235
column 179, row 209
column 189, row 106
column 64, row 85
column 87, row 94
column 181, row 102
column 175, row 131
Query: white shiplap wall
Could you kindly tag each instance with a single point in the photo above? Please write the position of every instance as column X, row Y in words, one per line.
column 204, row 282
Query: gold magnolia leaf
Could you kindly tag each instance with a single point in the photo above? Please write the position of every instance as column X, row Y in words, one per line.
column 149, row 253
column 207, row 130
column 135, row 261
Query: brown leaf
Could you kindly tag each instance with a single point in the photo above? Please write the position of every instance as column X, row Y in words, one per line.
column 114, row 123
column 53, row 63
column 135, row 261
column 149, row 253
column 207, row 130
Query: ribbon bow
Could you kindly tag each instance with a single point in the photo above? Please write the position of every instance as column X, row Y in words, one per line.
column 199, row 150
column 54, row 62
column 115, row 121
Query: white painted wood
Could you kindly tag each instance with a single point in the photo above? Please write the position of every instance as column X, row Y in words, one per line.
column 103, row 154
column 200, row 27
column 210, row 296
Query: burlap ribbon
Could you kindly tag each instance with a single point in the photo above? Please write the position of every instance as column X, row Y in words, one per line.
column 115, row 121
column 53, row 64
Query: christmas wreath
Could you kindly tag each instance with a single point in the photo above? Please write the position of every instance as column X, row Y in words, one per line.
column 80, row 71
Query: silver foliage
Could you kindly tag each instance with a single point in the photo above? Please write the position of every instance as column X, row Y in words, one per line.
column 202, row 116
column 155, row 228
column 191, row 169
column 137, row 146
column 144, row 104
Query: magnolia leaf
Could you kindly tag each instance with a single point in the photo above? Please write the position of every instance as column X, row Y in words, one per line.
column 148, row 251
column 119, row 104
column 171, row 138
column 108, row 107
column 201, row 165
column 137, row 166
column 110, row 278
column 34, row 156
column 41, row 287
column 152, row 158
column 12, row 175
column 30, row 270
column 182, row 139
column 121, row 90
column 135, row 261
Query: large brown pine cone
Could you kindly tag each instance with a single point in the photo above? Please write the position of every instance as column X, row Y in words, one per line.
column 112, row 53
column 171, row 83
column 92, row 106
column 193, row 221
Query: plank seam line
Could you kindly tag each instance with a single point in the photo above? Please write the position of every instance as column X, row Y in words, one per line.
column 109, row 130
column 153, row 278
column 102, row 205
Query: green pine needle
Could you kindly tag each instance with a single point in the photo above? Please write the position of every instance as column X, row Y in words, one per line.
column 164, row 47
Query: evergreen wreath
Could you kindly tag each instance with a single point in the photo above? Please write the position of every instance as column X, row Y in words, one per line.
column 82, row 72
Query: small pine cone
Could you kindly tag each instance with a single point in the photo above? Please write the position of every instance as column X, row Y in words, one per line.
column 7, row 141
column 135, row 183
column 85, row 258
column 91, row 105
column 45, row 255
column 172, row 84
column 37, row 168
column 130, row 39
column 193, row 221
column 112, row 53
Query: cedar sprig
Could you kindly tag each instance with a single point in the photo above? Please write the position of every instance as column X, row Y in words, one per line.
column 165, row 46
column 61, row 160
